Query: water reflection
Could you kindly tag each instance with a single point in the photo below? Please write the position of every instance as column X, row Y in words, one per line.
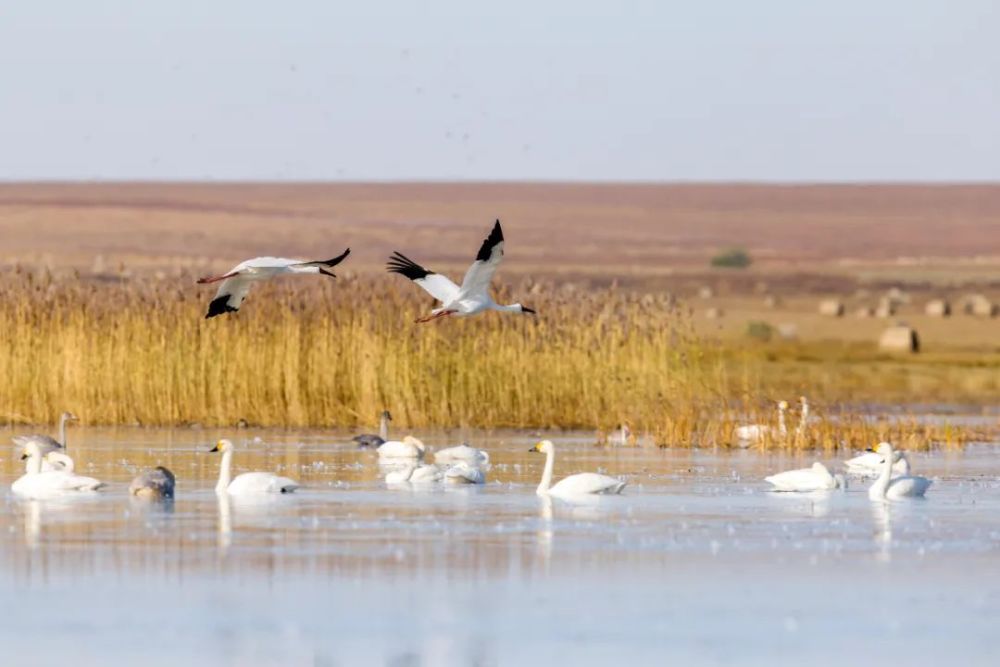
column 882, row 519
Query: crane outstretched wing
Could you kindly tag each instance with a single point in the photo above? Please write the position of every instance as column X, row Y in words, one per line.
column 438, row 286
column 230, row 296
column 477, row 279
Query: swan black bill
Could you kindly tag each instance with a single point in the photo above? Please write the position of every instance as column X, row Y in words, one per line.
column 213, row 449
column 529, row 311
column 24, row 456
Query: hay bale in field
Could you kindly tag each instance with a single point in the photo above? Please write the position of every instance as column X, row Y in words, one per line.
column 788, row 331
column 899, row 338
column 938, row 308
column 979, row 306
column 714, row 313
column 864, row 312
column 771, row 301
column 886, row 308
column 831, row 307
column 897, row 296
column 705, row 292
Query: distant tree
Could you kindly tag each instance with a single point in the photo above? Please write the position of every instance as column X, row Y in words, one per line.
column 733, row 258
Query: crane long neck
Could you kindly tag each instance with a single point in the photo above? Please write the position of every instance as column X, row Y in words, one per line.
column 225, row 472
column 383, row 428
column 550, row 456
column 511, row 308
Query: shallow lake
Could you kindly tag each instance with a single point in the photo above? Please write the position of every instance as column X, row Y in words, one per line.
column 696, row 564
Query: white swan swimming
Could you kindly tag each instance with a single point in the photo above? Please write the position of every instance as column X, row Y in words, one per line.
column 887, row 486
column 248, row 483
column 36, row 483
column 408, row 448
column 464, row 472
column 580, row 484
column 155, row 484
column 55, row 460
column 816, row 478
column 462, row 452
column 751, row 433
column 414, row 473
column 869, row 464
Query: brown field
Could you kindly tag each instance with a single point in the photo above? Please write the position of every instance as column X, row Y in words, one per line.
column 605, row 231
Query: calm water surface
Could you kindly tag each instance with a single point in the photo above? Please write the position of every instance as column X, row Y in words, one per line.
column 697, row 564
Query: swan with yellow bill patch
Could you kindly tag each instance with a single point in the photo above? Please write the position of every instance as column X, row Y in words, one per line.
column 249, row 483
column 584, row 483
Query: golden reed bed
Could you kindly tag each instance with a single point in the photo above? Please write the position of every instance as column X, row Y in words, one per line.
column 324, row 353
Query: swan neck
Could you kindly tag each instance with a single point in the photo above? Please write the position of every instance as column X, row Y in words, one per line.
column 62, row 430
column 225, row 472
column 383, row 428
column 803, row 418
column 547, row 473
column 782, row 428
column 34, row 465
column 881, row 484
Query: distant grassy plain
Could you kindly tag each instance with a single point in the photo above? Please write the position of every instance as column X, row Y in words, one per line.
column 100, row 313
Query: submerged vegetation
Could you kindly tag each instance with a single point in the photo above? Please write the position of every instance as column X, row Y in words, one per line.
column 329, row 353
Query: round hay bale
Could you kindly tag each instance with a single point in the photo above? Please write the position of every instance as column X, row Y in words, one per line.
column 831, row 308
column 864, row 312
column 979, row 306
column 886, row 308
column 899, row 339
column 714, row 313
column 938, row 308
column 771, row 301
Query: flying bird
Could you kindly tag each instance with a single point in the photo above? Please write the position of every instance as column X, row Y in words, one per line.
column 237, row 282
column 473, row 296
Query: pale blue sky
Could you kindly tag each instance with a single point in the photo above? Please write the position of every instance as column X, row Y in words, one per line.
column 519, row 89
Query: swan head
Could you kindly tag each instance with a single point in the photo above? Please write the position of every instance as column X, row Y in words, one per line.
column 386, row 415
column 782, row 405
column 31, row 450
column 69, row 417
column 544, row 447
column 803, row 400
column 410, row 440
column 882, row 448
column 524, row 309
column 222, row 446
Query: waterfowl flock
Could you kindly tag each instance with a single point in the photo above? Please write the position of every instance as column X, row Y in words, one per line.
column 50, row 471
